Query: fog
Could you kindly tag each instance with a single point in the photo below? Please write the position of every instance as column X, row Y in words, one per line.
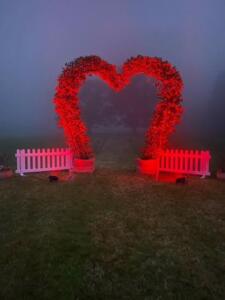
column 39, row 37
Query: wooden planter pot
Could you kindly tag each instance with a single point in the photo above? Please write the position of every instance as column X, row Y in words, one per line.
column 148, row 166
column 83, row 165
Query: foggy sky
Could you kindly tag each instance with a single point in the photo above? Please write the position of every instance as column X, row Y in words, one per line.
column 39, row 36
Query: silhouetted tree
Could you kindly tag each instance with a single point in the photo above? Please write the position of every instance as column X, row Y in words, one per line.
column 130, row 108
column 136, row 102
column 216, row 108
column 96, row 104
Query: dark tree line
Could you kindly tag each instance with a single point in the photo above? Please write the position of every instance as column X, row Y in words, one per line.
column 216, row 109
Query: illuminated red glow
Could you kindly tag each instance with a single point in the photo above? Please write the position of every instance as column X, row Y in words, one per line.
column 149, row 166
column 177, row 162
column 166, row 116
column 83, row 165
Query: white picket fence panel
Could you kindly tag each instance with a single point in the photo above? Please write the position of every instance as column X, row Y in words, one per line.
column 185, row 162
column 40, row 160
column 176, row 161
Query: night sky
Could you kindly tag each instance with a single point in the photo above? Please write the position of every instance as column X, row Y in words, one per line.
column 39, row 36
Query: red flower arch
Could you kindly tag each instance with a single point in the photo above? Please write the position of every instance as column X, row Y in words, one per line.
column 166, row 115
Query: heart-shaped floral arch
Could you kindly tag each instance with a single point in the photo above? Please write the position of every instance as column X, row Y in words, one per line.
column 166, row 116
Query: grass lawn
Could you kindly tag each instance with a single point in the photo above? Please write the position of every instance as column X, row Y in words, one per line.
column 111, row 235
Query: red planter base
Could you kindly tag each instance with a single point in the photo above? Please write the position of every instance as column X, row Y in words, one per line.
column 147, row 166
column 83, row 165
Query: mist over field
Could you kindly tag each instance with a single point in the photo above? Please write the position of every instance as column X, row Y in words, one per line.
column 122, row 221
column 39, row 37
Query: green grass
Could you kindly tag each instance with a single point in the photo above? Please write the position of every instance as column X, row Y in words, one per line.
column 111, row 235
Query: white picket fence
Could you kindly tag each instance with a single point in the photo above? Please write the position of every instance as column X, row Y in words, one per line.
column 185, row 162
column 176, row 161
column 40, row 160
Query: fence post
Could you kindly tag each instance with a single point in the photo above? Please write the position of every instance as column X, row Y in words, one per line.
column 207, row 163
column 22, row 162
column 203, row 164
column 206, row 159
column 70, row 159
column 18, row 161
